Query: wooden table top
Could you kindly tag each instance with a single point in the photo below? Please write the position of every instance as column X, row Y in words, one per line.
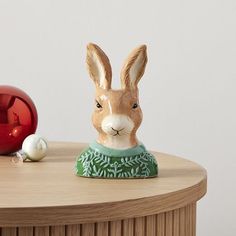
column 48, row 192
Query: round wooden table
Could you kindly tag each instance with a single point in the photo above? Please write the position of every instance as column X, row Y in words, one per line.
column 46, row 198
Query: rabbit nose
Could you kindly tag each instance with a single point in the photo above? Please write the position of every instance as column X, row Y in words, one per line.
column 117, row 124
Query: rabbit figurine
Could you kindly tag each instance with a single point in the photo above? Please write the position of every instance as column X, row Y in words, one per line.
column 116, row 153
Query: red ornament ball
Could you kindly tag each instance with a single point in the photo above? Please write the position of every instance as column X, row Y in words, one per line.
column 18, row 118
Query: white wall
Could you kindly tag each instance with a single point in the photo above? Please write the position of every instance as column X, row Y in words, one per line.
column 187, row 93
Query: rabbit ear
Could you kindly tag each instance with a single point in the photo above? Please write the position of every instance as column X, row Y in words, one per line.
column 99, row 67
column 134, row 67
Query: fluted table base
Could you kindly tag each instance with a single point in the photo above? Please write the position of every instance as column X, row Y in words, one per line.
column 178, row 222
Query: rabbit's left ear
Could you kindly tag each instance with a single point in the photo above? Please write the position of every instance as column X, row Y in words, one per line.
column 99, row 66
column 134, row 68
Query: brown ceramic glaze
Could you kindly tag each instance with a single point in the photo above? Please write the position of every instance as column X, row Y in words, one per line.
column 117, row 114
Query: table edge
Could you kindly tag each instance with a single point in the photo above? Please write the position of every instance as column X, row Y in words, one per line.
column 90, row 213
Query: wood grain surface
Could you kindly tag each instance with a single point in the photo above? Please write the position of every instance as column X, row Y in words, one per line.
column 48, row 193
column 163, row 224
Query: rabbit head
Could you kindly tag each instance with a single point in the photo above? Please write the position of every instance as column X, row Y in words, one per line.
column 117, row 114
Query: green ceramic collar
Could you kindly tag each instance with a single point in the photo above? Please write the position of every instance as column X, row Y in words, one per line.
column 117, row 152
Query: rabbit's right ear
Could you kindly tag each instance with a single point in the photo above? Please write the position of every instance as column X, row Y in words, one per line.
column 99, row 66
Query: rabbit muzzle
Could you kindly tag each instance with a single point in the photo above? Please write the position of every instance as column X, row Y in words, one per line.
column 117, row 125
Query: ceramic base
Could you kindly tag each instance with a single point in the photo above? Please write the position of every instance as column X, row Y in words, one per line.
column 98, row 161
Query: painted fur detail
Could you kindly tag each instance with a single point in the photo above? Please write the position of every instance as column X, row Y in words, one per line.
column 117, row 116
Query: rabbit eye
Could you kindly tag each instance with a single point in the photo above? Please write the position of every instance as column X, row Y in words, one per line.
column 98, row 105
column 135, row 106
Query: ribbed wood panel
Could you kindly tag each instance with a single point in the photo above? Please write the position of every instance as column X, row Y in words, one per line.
column 73, row 230
column 26, row 231
column 178, row 222
column 9, row 231
column 169, row 223
column 88, row 230
column 115, row 228
column 151, row 225
column 192, row 217
column 187, row 220
column 128, row 227
column 161, row 224
column 57, row 230
column 102, row 229
column 41, row 231
column 182, row 222
column 140, row 226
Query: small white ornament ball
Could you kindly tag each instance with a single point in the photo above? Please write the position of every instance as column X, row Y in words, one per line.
column 35, row 147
